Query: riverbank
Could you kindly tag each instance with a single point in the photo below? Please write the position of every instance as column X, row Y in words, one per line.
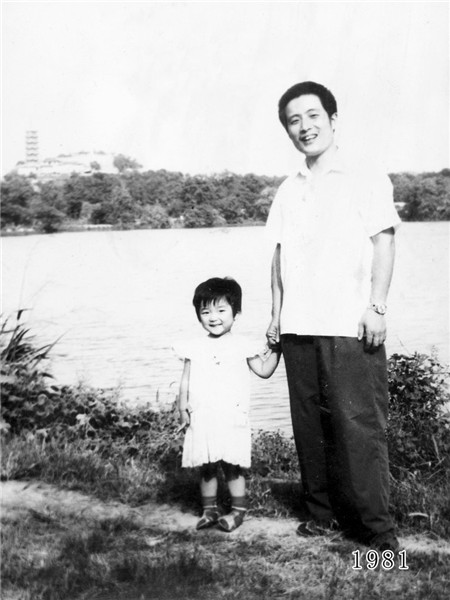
column 80, row 227
column 96, row 504
column 21, row 231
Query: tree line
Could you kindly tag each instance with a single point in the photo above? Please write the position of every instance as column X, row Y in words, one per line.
column 164, row 199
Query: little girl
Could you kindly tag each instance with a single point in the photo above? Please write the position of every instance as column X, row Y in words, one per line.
column 214, row 398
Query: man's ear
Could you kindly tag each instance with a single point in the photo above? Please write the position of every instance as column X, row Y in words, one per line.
column 237, row 315
column 333, row 120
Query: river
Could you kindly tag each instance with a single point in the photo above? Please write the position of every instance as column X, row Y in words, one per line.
column 117, row 300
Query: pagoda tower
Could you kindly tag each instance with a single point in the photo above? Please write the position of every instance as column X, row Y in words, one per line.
column 32, row 147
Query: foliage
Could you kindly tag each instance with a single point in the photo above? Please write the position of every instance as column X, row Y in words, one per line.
column 419, row 420
column 126, row 199
column 123, row 163
column 426, row 196
column 22, row 375
column 120, row 209
column 48, row 219
column 273, row 455
column 203, row 216
column 154, row 187
column 155, row 217
column 17, row 193
column 30, row 404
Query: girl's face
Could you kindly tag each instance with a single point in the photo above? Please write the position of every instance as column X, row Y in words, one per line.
column 217, row 318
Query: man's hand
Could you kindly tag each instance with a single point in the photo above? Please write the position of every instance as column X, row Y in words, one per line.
column 273, row 332
column 372, row 327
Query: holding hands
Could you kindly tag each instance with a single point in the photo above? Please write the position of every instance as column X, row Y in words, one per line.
column 273, row 333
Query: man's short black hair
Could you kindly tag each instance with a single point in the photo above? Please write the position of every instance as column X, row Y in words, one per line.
column 307, row 87
column 212, row 290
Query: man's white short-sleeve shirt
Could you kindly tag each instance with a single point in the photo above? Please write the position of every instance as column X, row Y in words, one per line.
column 324, row 226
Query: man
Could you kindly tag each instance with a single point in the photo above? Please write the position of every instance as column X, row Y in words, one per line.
column 333, row 227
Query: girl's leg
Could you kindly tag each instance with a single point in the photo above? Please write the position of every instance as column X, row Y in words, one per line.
column 208, row 490
column 236, row 486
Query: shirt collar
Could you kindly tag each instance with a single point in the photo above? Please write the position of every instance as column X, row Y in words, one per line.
column 337, row 164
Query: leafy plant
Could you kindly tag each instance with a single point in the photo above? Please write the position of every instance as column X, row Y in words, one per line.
column 273, row 455
column 22, row 374
column 418, row 429
column 51, row 417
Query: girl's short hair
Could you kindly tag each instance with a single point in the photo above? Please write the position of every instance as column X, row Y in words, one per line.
column 214, row 289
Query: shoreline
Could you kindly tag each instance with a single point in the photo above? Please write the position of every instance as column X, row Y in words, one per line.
column 106, row 227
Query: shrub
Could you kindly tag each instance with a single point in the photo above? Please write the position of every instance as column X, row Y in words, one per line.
column 22, row 375
column 418, row 429
column 31, row 404
column 273, row 455
column 154, row 216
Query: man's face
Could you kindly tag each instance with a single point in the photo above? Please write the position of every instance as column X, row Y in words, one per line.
column 309, row 126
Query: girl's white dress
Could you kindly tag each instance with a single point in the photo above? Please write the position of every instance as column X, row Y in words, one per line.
column 219, row 399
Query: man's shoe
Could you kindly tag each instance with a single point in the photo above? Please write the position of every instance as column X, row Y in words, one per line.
column 384, row 541
column 316, row 528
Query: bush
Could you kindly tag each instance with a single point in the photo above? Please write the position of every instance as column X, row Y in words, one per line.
column 31, row 404
column 273, row 455
column 22, row 375
column 418, row 429
column 154, row 216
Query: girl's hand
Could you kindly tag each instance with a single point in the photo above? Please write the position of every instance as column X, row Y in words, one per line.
column 267, row 351
column 185, row 417
column 184, row 420
column 181, row 428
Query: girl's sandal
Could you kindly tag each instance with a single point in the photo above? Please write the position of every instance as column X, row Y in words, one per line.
column 209, row 517
column 231, row 521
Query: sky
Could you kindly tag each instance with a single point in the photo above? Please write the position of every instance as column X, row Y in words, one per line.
column 194, row 86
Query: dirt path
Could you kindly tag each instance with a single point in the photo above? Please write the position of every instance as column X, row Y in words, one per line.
column 19, row 498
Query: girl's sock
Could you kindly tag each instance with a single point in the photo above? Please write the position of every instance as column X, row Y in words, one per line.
column 239, row 503
column 209, row 502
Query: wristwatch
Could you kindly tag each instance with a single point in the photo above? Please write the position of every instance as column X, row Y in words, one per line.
column 378, row 308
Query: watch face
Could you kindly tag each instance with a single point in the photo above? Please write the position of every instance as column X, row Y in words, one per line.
column 380, row 308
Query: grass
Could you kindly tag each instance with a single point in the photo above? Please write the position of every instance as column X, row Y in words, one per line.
column 56, row 556
column 119, row 558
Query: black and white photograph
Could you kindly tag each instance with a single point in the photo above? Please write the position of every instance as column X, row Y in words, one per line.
column 225, row 285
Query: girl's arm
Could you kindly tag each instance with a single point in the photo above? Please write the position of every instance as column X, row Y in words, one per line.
column 265, row 367
column 183, row 396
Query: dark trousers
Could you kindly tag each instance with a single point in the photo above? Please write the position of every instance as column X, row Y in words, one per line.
column 339, row 401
